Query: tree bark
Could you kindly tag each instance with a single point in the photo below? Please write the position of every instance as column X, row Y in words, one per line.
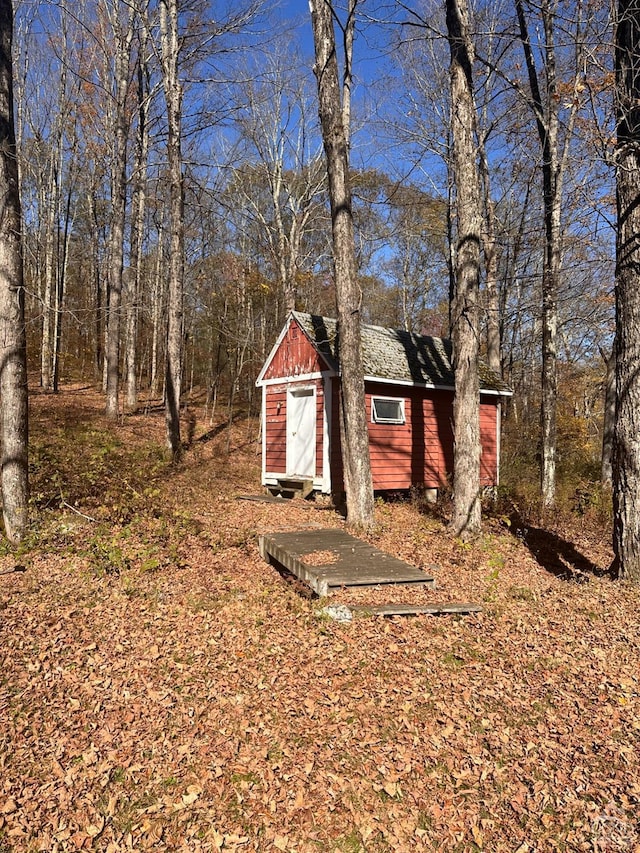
column 173, row 97
column 52, row 195
column 157, row 304
column 118, row 209
column 609, row 417
column 490, row 245
column 64, row 240
column 546, row 109
column 333, row 108
column 96, row 286
column 466, row 520
column 626, row 453
column 139, row 206
column 13, row 354
column 547, row 123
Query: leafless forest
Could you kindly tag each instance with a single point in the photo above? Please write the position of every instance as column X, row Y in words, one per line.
column 122, row 109
column 189, row 172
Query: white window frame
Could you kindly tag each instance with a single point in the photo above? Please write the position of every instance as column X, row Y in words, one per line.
column 377, row 420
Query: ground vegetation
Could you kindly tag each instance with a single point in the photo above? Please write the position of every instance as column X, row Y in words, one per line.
column 164, row 688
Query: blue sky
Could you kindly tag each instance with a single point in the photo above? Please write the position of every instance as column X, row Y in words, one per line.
column 297, row 11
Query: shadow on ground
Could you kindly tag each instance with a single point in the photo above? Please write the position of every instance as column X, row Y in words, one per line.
column 555, row 554
column 215, row 431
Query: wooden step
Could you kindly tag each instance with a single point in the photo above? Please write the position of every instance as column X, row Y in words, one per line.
column 298, row 486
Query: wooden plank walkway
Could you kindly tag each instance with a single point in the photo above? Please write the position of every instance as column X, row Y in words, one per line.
column 331, row 559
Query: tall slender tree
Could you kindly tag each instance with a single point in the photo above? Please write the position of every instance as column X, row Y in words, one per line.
column 547, row 104
column 464, row 314
column 170, row 45
column 139, row 208
column 123, row 30
column 626, row 454
column 335, row 111
column 13, row 356
column 52, row 177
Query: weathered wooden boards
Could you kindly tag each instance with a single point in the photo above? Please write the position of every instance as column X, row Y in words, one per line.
column 331, row 559
column 347, row 613
column 414, row 610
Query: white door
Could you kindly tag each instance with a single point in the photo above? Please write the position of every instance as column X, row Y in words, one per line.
column 301, row 432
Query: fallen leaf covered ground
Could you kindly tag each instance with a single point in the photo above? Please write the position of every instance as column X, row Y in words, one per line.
column 163, row 688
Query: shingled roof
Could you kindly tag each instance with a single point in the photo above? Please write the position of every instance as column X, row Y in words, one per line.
column 395, row 355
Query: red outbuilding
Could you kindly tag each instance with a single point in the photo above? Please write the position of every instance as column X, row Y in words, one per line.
column 409, row 398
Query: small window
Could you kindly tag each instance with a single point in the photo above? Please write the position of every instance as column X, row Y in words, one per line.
column 387, row 411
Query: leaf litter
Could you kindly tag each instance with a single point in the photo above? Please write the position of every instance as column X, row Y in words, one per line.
column 164, row 689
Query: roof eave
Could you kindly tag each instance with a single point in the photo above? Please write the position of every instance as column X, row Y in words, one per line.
column 411, row 383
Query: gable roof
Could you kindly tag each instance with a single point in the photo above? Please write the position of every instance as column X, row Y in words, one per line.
column 393, row 355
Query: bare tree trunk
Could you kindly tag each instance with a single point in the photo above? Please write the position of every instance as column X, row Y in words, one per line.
column 13, row 354
column 52, row 196
column 334, row 112
column 20, row 73
column 96, row 287
column 609, row 418
column 554, row 162
column 550, row 280
column 173, row 96
column 626, row 454
column 156, row 314
column 490, row 245
column 137, row 226
column 61, row 277
column 466, row 518
column 49, row 266
column 124, row 37
column 275, row 181
column 547, row 123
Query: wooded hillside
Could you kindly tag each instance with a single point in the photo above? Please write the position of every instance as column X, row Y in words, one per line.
column 161, row 686
column 96, row 135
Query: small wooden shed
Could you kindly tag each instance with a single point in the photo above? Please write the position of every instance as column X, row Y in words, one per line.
column 409, row 398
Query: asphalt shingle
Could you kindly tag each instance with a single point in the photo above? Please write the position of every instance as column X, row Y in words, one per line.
column 395, row 355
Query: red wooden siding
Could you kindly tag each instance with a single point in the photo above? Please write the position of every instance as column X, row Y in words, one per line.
column 489, row 441
column 295, row 356
column 335, row 449
column 420, row 451
column 275, row 425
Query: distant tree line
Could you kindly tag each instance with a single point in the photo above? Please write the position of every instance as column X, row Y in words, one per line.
column 93, row 124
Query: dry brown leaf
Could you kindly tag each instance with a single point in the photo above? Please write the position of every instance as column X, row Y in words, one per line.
column 200, row 705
